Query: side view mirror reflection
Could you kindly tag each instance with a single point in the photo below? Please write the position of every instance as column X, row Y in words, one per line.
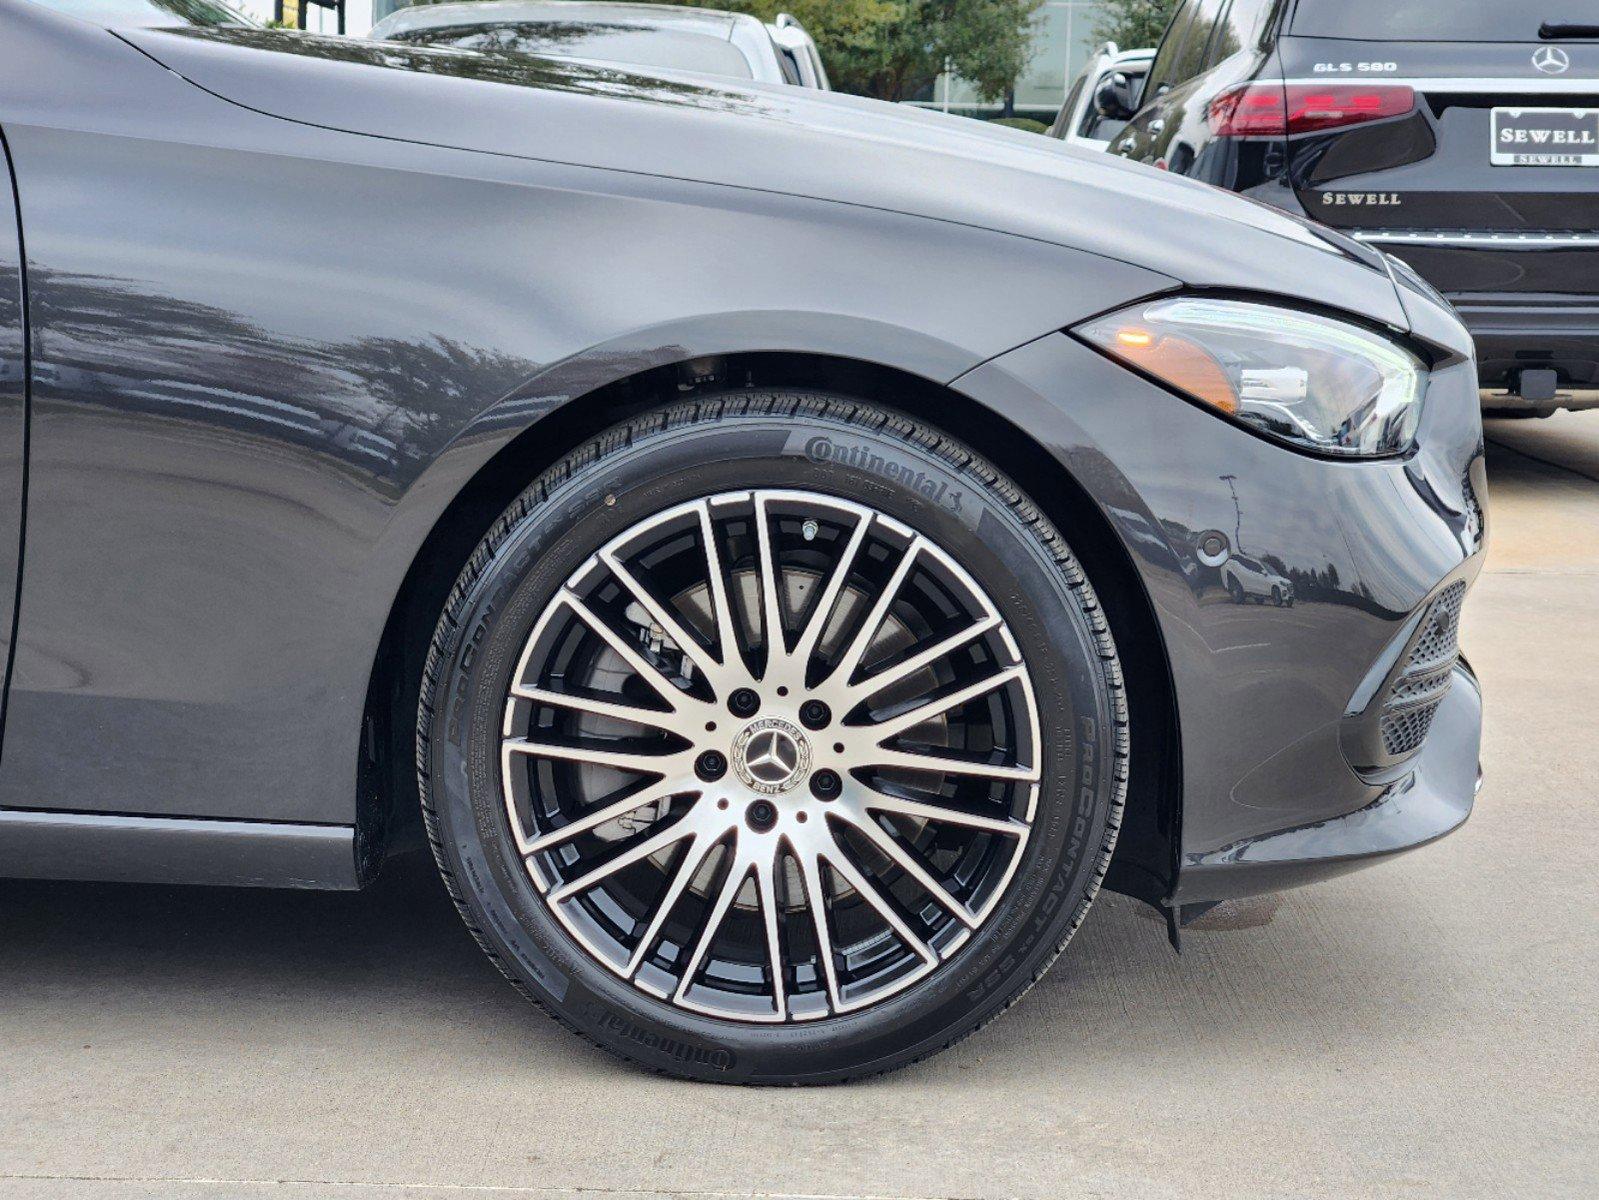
column 1114, row 98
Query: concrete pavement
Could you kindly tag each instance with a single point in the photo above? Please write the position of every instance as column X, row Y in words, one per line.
column 1425, row 1028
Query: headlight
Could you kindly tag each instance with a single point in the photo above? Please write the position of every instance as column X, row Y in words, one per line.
column 1311, row 381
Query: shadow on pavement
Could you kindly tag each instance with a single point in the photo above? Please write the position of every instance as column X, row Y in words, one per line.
column 248, row 948
column 348, row 967
column 1566, row 443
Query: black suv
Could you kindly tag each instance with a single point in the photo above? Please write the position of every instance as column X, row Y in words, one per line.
column 1461, row 137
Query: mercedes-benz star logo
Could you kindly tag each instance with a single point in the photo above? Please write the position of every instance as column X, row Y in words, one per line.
column 771, row 756
column 1551, row 60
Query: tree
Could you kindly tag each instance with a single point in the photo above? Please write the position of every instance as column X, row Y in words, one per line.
column 893, row 49
column 1133, row 24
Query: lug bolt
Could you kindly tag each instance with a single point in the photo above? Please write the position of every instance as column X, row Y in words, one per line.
column 711, row 765
column 744, row 703
column 814, row 714
column 761, row 815
column 826, row 785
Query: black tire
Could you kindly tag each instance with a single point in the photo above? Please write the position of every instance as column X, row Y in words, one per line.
column 1236, row 591
column 761, row 439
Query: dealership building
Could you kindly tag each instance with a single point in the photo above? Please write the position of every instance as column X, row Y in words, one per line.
column 1063, row 40
column 1062, row 44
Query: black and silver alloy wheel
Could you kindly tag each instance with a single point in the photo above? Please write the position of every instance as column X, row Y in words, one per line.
column 772, row 739
column 881, row 783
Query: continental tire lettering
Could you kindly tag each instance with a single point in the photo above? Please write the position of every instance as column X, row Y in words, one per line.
column 715, row 1057
column 939, row 489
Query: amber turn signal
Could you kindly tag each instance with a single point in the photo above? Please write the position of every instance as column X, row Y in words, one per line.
column 1176, row 362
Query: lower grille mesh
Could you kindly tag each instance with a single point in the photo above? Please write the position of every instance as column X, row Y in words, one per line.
column 1404, row 732
column 1413, row 700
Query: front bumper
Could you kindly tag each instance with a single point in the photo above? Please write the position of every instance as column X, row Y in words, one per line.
column 1432, row 798
column 1270, row 787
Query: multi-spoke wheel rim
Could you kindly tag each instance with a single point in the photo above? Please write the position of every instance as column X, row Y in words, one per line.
column 771, row 828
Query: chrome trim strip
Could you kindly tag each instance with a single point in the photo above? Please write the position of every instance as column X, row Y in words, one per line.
column 1506, row 241
column 1478, row 86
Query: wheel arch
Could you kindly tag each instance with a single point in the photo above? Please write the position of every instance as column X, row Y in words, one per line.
column 387, row 809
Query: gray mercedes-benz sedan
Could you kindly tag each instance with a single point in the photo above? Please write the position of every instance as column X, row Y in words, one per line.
column 774, row 548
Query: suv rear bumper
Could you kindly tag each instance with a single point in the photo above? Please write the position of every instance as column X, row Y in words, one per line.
column 1517, row 333
column 1530, row 300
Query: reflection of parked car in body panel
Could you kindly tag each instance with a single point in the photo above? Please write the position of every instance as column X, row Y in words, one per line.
column 661, row 36
column 1462, row 137
column 1079, row 121
column 1248, row 578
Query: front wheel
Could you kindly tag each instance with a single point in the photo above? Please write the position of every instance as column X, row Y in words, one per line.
column 773, row 739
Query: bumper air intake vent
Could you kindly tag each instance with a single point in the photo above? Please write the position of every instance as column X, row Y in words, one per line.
column 1423, row 681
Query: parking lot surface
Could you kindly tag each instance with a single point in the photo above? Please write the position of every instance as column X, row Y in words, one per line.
column 1424, row 1028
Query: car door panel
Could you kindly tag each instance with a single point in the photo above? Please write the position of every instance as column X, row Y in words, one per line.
column 1173, row 128
column 1211, row 47
column 1135, row 138
column 13, row 406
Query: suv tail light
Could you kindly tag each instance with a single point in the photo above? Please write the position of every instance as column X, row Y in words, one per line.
column 1266, row 109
